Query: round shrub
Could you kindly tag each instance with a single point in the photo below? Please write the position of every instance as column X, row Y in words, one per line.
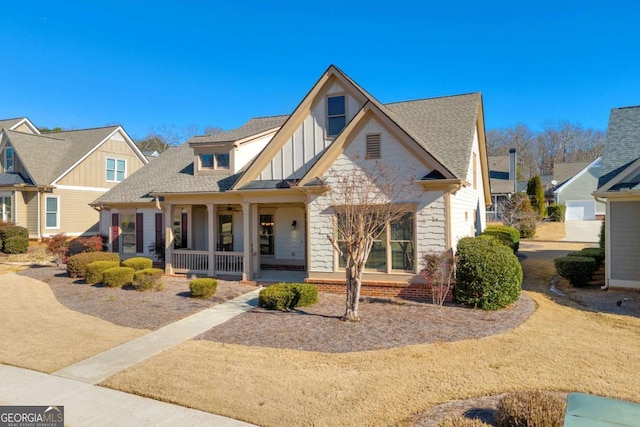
column 488, row 276
column 77, row 264
column 531, row 409
column 595, row 253
column 149, row 278
column 578, row 270
column 509, row 236
column 138, row 263
column 461, row 422
column 203, row 288
column 94, row 271
column 16, row 245
column 557, row 212
column 117, row 277
column 287, row 296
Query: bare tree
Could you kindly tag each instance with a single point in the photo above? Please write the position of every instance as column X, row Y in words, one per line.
column 439, row 269
column 364, row 197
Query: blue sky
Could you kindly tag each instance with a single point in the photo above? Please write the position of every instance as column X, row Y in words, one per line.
column 163, row 63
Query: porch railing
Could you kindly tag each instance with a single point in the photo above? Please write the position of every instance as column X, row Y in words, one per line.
column 197, row 262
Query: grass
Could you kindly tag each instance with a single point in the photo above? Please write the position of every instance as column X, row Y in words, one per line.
column 559, row 348
column 40, row 333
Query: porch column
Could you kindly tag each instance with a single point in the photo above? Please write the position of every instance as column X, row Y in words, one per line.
column 255, row 254
column 246, row 235
column 168, row 238
column 211, row 224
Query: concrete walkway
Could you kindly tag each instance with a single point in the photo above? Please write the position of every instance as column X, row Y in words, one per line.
column 90, row 405
column 101, row 366
column 582, row 231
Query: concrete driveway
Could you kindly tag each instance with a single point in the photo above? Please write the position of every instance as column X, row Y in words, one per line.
column 582, row 231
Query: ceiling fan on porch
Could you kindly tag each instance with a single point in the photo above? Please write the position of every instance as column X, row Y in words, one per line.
column 232, row 209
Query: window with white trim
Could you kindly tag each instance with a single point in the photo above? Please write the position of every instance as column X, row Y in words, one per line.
column 116, row 169
column 336, row 114
column 9, row 159
column 52, row 211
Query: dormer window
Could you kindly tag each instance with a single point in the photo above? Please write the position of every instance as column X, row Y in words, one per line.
column 216, row 161
column 8, row 159
column 336, row 115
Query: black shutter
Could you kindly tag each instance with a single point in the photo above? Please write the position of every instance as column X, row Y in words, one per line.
column 139, row 233
column 115, row 232
column 184, row 230
column 158, row 227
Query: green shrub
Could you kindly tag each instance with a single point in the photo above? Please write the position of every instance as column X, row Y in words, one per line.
column 287, row 296
column 557, row 211
column 15, row 239
column 138, row 263
column 461, row 422
column 94, row 271
column 149, row 278
column 77, row 264
column 203, row 288
column 536, row 195
column 596, row 253
column 531, row 409
column 488, row 276
column 117, row 277
column 602, row 236
column 577, row 269
column 509, row 236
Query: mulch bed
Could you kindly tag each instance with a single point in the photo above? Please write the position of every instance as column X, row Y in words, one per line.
column 128, row 307
column 385, row 324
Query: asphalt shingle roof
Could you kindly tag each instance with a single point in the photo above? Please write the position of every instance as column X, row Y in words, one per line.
column 562, row 172
column 9, row 123
column 10, row 179
column 48, row 156
column 622, row 145
column 252, row 127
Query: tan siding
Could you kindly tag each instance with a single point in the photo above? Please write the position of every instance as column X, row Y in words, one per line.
column 92, row 171
column 24, row 128
column 625, row 240
column 31, row 200
column 20, row 208
column 76, row 216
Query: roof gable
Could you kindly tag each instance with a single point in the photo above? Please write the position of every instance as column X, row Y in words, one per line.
column 564, row 171
column 622, row 146
column 595, row 165
column 15, row 123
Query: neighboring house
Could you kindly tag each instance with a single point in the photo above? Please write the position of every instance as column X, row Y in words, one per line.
column 576, row 182
column 253, row 199
column 502, row 176
column 48, row 180
column 619, row 185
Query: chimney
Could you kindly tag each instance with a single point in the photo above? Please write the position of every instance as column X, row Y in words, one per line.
column 513, row 176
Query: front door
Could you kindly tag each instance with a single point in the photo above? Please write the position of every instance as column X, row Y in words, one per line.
column 267, row 240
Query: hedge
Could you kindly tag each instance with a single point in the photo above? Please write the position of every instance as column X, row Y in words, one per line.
column 15, row 239
column 148, row 278
column 117, row 277
column 577, row 269
column 557, row 211
column 596, row 253
column 77, row 264
column 85, row 244
column 95, row 270
column 138, row 263
column 287, row 296
column 203, row 288
column 509, row 236
column 488, row 276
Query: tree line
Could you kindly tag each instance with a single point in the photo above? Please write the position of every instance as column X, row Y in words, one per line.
column 538, row 150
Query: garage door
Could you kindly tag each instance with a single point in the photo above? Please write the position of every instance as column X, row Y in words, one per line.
column 579, row 210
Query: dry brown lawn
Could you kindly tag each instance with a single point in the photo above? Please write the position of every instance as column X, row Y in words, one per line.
column 39, row 333
column 559, row 348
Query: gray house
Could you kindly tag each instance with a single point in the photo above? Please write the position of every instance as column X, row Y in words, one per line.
column 576, row 183
column 619, row 186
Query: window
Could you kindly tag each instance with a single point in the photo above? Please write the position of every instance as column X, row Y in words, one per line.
column 52, row 211
column 394, row 246
column 266, row 235
column 7, row 215
column 336, row 115
column 217, row 161
column 116, row 169
column 177, row 229
column 8, row 159
column 225, row 233
column 128, row 233
column 373, row 146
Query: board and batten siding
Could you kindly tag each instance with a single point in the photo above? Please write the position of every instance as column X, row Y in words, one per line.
column 76, row 216
column 308, row 140
column 623, row 222
column 247, row 152
column 92, row 172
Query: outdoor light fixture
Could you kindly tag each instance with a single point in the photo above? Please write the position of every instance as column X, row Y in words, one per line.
column 294, row 224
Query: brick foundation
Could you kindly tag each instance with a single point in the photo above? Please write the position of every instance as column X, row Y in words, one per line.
column 409, row 291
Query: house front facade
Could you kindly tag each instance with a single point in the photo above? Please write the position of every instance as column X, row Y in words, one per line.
column 257, row 198
column 48, row 180
column 576, row 183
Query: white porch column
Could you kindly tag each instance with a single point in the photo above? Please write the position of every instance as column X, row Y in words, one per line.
column 255, row 254
column 211, row 224
column 168, row 238
column 246, row 235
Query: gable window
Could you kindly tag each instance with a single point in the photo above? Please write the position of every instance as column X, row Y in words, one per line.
column 336, row 115
column 373, row 147
column 52, row 211
column 215, row 161
column 225, row 233
column 116, row 170
column 8, row 159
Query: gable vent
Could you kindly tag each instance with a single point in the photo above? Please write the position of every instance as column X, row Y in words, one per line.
column 373, row 146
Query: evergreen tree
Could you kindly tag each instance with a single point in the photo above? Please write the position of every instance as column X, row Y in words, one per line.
column 536, row 194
